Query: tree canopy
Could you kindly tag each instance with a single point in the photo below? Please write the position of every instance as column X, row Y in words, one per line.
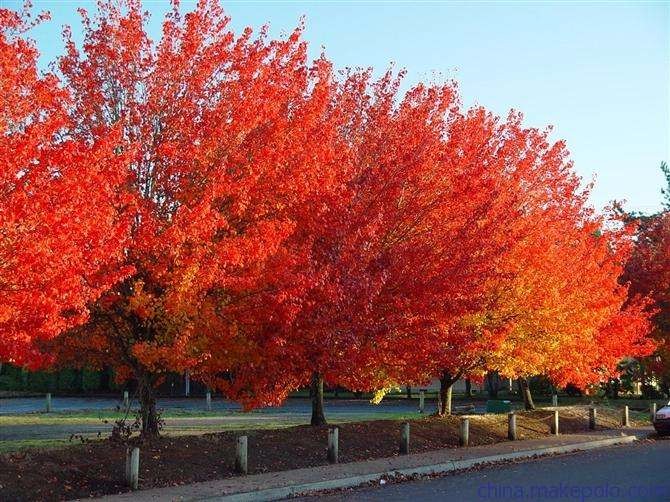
column 219, row 203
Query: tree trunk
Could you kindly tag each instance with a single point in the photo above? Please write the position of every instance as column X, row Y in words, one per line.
column 409, row 392
column 316, row 394
column 444, row 401
column 524, row 389
column 80, row 380
column 468, row 387
column 493, row 384
column 147, row 399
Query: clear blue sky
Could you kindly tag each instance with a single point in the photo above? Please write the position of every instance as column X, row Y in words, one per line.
column 599, row 72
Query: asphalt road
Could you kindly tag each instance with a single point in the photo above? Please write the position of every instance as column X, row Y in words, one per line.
column 11, row 406
column 224, row 415
column 637, row 472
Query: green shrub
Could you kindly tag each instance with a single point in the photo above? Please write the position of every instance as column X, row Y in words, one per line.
column 90, row 380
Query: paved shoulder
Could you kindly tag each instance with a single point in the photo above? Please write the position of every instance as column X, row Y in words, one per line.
column 276, row 485
column 634, row 472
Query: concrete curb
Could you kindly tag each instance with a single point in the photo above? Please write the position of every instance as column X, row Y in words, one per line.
column 442, row 468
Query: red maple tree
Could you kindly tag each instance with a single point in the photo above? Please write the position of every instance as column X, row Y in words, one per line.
column 61, row 235
column 221, row 137
column 648, row 271
column 221, row 204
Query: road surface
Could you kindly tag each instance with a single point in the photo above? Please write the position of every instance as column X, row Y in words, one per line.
column 637, row 472
column 224, row 415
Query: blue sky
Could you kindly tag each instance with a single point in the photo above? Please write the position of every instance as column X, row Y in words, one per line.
column 599, row 72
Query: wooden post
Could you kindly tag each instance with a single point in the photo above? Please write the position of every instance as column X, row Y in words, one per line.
column 592, row 418
column 625, row 420
column 126, row 399
column 48, row 402
column 241, row 455
column 208, row 400
column 554, row 423
column 404, row 439
column 511, row 426
column 127, row 470
column 133, row 468
column 422, row 400
column 652, row 412
column 333, row 438
column 554, row 400
column 464, row 432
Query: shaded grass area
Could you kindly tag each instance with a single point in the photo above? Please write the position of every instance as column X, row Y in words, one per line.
column 96, row 468
column 27, row 444
column 87, row 417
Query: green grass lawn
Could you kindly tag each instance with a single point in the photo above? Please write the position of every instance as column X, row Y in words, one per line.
column 237, row 418
column 90, row 416
column 31, row 444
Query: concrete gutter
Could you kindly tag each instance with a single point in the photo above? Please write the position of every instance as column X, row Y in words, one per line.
column 279, row 485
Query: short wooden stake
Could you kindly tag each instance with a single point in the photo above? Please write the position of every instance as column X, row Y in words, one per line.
column 133, row 468
column 127, row 469
column 511, row 426
column 652, row 412
column 241, row 455
column 625, row 419
column 464, row 432
column 592, row 418
column 554, row 400
column 126, row 399
column 208, row 400
column 422, row 401
column 333, row 449
column 554, row 423
column 48, row 402
column 404, row 439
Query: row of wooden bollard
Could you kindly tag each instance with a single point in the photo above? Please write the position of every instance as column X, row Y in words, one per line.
column 241, row 449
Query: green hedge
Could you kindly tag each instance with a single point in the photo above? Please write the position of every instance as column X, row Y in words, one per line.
column 68, row 381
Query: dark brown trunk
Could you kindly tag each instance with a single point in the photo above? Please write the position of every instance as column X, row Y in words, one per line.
column 493, row 384
column 468, row 387
column 80, row 380
column 316, row 394
column 147, row 399
column 524, row 389
column 444, row 399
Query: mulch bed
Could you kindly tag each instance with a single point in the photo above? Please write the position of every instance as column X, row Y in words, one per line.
column 97, row 468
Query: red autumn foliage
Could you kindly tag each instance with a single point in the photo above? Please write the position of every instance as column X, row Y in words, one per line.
column 222, row 137
column 221, row 204
column 648, row 271
column 60, row 234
